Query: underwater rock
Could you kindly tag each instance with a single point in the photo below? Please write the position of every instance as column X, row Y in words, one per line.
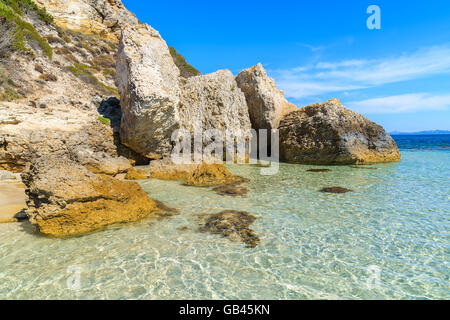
column 363, row 167
column 232, row 224
column 231, row 190
column 336, row 190
column 318, row 170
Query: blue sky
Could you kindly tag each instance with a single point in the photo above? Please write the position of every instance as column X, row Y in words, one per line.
column 398, row 76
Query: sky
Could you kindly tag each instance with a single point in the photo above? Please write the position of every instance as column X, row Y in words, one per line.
column 397, row 76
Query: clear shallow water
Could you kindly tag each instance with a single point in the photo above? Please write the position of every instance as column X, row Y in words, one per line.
column 313, row 245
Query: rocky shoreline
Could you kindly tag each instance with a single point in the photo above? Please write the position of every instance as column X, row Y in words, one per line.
column 75, row 144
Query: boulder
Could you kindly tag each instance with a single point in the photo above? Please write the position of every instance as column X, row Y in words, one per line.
column 208, row 175
column 165, row 169
column 156, row 102
column 148, row 83
column 101, row 162
column 328, row 133
column 65, row 199
column 266, row 104
column 214, row 101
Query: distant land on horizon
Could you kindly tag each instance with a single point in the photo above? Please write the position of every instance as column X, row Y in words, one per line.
column 420, row 133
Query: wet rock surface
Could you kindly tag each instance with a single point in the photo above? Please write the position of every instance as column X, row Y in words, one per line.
column 336, row 190
column 235, row 225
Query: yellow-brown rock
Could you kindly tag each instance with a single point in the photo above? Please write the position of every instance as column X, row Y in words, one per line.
column 136, row 174
column 65, row 199
column 328, row 133
column 165, row 169
column 101, row 17
column 208, row 175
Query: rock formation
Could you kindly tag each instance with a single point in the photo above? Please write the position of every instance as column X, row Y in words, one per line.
column 65, row 199
column 147, row 79
column 266, row 104
column 154, row 104
column 208, row 175
column 328, row 133
column 37, row 134
column 235, row 225
column 99, row 17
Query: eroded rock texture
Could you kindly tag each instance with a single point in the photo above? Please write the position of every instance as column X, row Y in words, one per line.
column 329, row 133
column 65, row 199
column 266, row 104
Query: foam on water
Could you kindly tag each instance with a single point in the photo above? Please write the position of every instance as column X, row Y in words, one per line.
column 313, row 244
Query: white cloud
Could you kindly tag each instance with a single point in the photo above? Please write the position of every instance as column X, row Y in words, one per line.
column 402, row 103
column 328, row 77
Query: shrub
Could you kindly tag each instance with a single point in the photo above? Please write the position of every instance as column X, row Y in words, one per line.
column 186, row 70
column 48, row 77
column 84, row 73
column 9, row 95
column 104, row 121
column 23, row 31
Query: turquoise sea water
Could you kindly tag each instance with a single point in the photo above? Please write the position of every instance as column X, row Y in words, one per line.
column 313, row 245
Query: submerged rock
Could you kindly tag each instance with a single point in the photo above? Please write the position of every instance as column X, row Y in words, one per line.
column 363, row 167
column 266, row 104
column 318, row 170
column 235, row 225
column 65, row 199
column 208, row 175
column 336, row 190
column 328, row 133
column 231, row 190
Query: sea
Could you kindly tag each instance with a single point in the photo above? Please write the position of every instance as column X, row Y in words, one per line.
column 388, row 239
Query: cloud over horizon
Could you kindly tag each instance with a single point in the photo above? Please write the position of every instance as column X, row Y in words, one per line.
column 347, row 75
column 402, row 103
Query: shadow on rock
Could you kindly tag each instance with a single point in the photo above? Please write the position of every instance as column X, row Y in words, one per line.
column 231, row 224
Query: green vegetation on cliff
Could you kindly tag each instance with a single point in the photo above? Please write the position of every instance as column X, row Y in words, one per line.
column 22, row 32
column 84, row 72
column 186, row 70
